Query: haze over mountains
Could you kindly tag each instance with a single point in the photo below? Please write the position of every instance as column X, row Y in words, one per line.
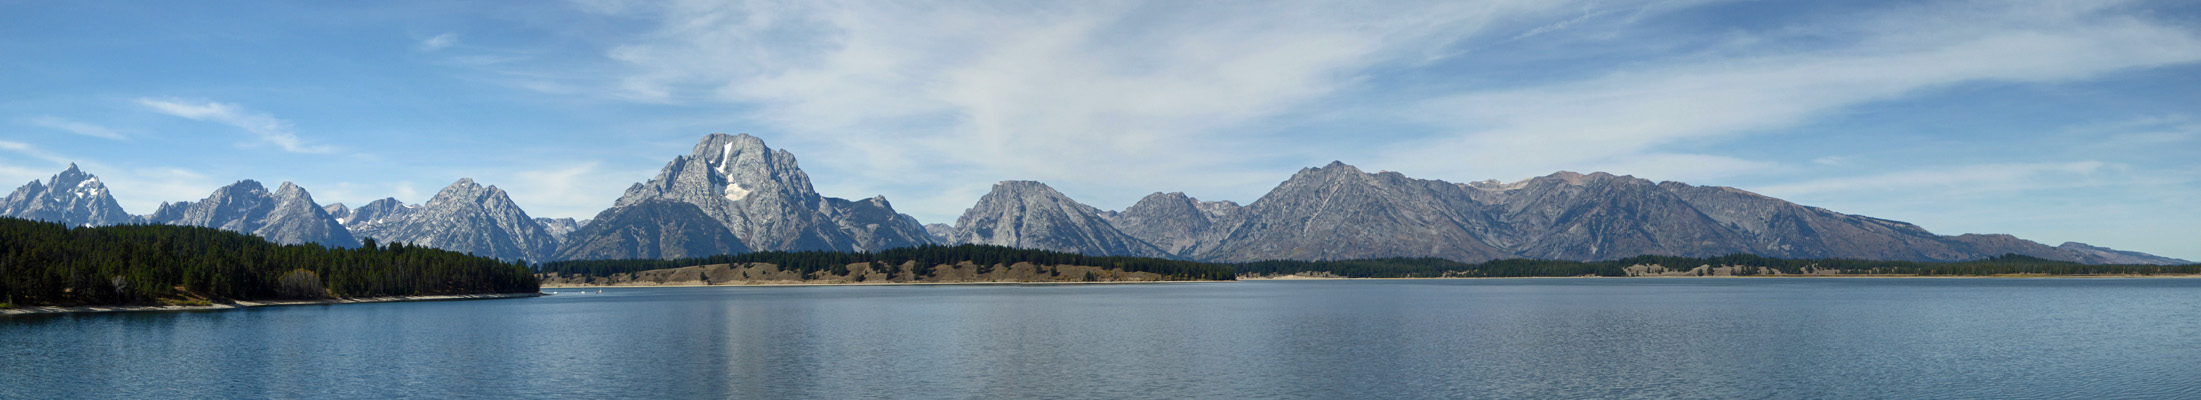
column 734, row 194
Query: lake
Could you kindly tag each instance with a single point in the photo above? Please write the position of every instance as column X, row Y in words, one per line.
column 1506, row 338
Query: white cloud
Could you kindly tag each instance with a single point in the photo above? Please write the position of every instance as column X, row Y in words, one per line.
column 1969, row 178
column 439, row 42
column 32, row 151
column 1119, row 99
column 141, row 190
column 954, row 93
column 267, row 127
column 12, row 173
column 577, row 190
column 1653, row 107
column 75, row 127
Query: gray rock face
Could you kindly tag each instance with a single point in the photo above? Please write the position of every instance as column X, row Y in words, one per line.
column 1032, row 215
column 1778, row 228
column 762, row 197
column 558, row 228
column 940, row 232
column 873, row 224
column 2113, row 256
column 73, row 198
column 1178, row 224
column 287, row 216
column 656, row 229
column 464, row 217
column 1338, row 212
column 375, row 218
column 338, row 211
column 1568, row 216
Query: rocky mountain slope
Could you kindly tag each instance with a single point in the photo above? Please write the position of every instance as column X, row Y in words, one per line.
column 465, row 217
column 287, row 215
column 734, row 194
column 655, row 229
column 71, row 197
column 762, row 197
column 1340, row 212
column 1032, row 215
column 559, row 227
column 1175, row 223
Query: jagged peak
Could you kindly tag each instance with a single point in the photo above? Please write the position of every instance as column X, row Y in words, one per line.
column 464, row 187
column 385, row 202
column 292, row 191
column 1166, row 196
column 1161, row 199
column 1021, row 185
column 1331, row 169
column 71, row 176
column 715, row 144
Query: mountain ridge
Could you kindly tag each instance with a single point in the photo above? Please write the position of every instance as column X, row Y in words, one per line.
column 762, row 200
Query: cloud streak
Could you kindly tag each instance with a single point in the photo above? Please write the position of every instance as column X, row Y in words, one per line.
column 269, row 129
column 1156, row 95
column 1646, row 109
column 439, row 42
column 75, row 127
column 1969, row 178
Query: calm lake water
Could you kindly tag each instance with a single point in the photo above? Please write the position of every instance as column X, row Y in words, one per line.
column 1514, row 338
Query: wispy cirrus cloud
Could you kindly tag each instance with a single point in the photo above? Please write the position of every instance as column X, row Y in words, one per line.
column 1109, row 101
column 1965, row 178
column 1654, row 108
column 71, row 126
column 1157, row 95
column 438, row 42
column 268, row 128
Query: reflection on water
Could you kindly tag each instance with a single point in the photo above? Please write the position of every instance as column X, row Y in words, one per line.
column 1574, row 338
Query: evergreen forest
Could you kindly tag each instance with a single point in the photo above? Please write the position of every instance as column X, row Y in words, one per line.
column 925, row 256
column 2011, row 264
column 44, row 263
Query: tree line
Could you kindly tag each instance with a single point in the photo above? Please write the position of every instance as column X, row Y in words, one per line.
column 44, row 263
column 926, row 257
column 2008, row 264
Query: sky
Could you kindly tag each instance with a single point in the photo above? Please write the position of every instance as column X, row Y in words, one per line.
column 2051, row 120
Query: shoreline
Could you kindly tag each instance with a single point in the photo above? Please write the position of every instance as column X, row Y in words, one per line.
column 796, row 283
column 1828, row 276
column 240, row 304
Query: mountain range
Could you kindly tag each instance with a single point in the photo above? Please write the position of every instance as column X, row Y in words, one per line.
column 734, row 194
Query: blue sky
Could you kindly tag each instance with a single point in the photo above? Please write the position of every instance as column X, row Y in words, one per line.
column 2055, row 121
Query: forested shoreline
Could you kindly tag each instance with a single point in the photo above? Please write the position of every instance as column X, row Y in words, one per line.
column 1732, row 265
column 924, row 259
column 50, row 264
